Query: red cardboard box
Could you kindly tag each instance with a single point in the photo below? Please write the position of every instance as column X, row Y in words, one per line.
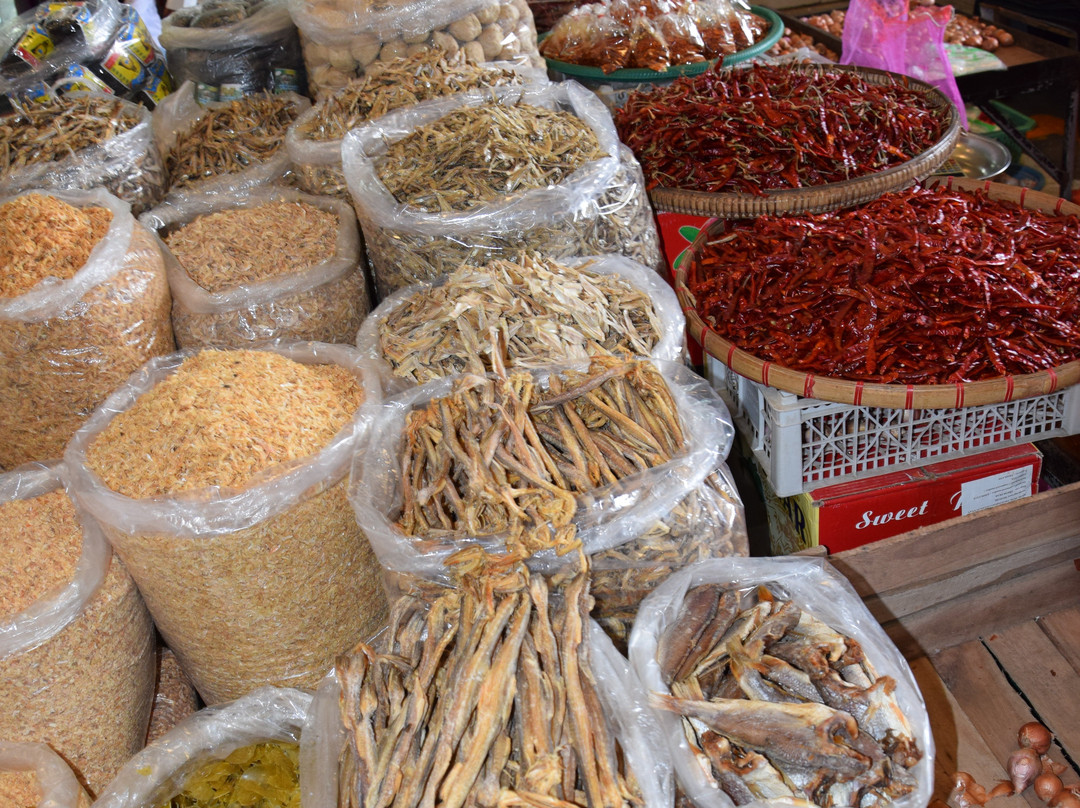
column 677, row 233
column 855, row 513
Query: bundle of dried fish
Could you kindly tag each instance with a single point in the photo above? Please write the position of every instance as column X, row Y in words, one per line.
column 466, row 180
column 82, row 141
column 231, row 137
column 314, row 140
column 543, row 311
column 776, row 704
column 485, row 697
column 519, row 462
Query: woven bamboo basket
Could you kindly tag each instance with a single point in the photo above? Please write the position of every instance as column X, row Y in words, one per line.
column 869, row 394
column 833, row 195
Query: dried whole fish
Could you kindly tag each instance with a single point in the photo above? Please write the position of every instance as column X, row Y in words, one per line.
column 779, row 704
column 230, row 138
column 542, row 309
column 483, row 696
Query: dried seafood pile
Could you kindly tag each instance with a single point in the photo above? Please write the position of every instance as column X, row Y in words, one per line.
column 58, row 142
column 485, row 697
column 778, row 705
column 542, row 311
column 508, row 459
column 230, row 138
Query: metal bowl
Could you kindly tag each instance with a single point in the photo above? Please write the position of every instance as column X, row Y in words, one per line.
column 976, row 157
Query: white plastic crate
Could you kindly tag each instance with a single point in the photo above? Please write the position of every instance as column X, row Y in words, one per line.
column 802, row 443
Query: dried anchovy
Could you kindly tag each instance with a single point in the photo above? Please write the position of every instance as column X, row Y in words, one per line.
column 230, row 138
column 404, row 82
column 483, row 696
column 618, row 220
column 779, row 705
column 542, row 309
column 474, row 155
column 55, row 128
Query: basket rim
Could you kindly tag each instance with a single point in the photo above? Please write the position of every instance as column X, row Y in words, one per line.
column 638, row 75
column 998, row 390
column 832, row 195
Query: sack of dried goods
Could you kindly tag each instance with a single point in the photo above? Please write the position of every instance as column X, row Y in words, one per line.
column 536, row 310
column 262, row 264
column 498, row 691
column 343, row 39
column 76, row 639
column 224, row 145
column 490, row 174
column 81, row 141
column 32, row 775
column 245, row 752
column 314, row 141
column 174, row 695
column 622, row 457
column 229, row 48
column 774, row 682
column 219, row 477
column 84, row 302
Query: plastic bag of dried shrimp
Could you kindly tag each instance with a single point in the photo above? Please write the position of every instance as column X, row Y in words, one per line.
column 250, row 743
column 224, row 145
column 81, row 141
column 76, row 639
column 219, row 477
column 84, row 302
column 314, row 141
column 342, row 40
column 848, row 720
column 604, row 304
column 261, row 264
column 627, row 457
column 560, row 185
column 33, row 775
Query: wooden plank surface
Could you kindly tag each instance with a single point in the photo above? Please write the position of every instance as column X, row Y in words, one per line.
column 1063, row 628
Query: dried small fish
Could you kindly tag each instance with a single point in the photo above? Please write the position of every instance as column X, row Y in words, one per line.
column 768, row 703
column 230, row 138
column 542, row 310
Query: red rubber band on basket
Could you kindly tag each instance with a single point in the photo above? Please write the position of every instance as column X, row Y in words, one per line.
column 808, row 385
column 1053, row 380
column 1023, row 196
column 909, row 397
column 959, row 394
column 858, row 394
column 765, row 373
column 731, row 354
column 1008, row 388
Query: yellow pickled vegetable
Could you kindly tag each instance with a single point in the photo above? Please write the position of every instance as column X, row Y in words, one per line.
column 261, row 775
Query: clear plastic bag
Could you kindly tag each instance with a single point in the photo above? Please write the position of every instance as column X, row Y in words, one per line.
column 636, row 531
column 66, row 345
column 342, row 40
column 322, row 303
column 39, row 768
column 816, row 588
column 158, row 772
column 601, row 208
column 669, row 346
column 263, row 584
column 258, row 50
column 129, row 164
column 77, row 665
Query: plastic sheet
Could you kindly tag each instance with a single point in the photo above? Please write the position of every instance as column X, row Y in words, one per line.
column 54, row 780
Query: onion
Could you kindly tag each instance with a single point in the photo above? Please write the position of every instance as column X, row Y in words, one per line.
column 1023, row 767
column 1034, row 735
column 1047, row 786
column 1065, row 799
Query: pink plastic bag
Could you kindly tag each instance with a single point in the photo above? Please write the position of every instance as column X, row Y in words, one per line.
column 884, row 35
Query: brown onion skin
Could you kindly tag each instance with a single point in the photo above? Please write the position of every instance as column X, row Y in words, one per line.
column 1034, row 735
column 1047, row 786
column 1065, row 799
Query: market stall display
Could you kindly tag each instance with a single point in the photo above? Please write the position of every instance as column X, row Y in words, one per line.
column 961, row 29
column 562, row 186
column 314, row 140
column 536, row 309
column 76, row 640
column 219, row 477
column 84, row 302
column 262, row 264
column 234, row 48
column 33, row 774
column 79, row 142
column 343, row 40
column 818, row 137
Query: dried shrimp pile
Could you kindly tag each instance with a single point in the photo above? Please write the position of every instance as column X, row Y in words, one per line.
column 778, row 705
column 540, row 309
column 484, row 697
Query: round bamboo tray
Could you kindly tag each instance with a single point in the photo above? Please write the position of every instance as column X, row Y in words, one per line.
column 833, row 195
column 871, row 394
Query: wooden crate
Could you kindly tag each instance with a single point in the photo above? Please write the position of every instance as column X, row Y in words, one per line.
column 986, row 608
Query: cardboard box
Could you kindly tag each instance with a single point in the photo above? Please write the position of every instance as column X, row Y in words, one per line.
column 848, row 515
